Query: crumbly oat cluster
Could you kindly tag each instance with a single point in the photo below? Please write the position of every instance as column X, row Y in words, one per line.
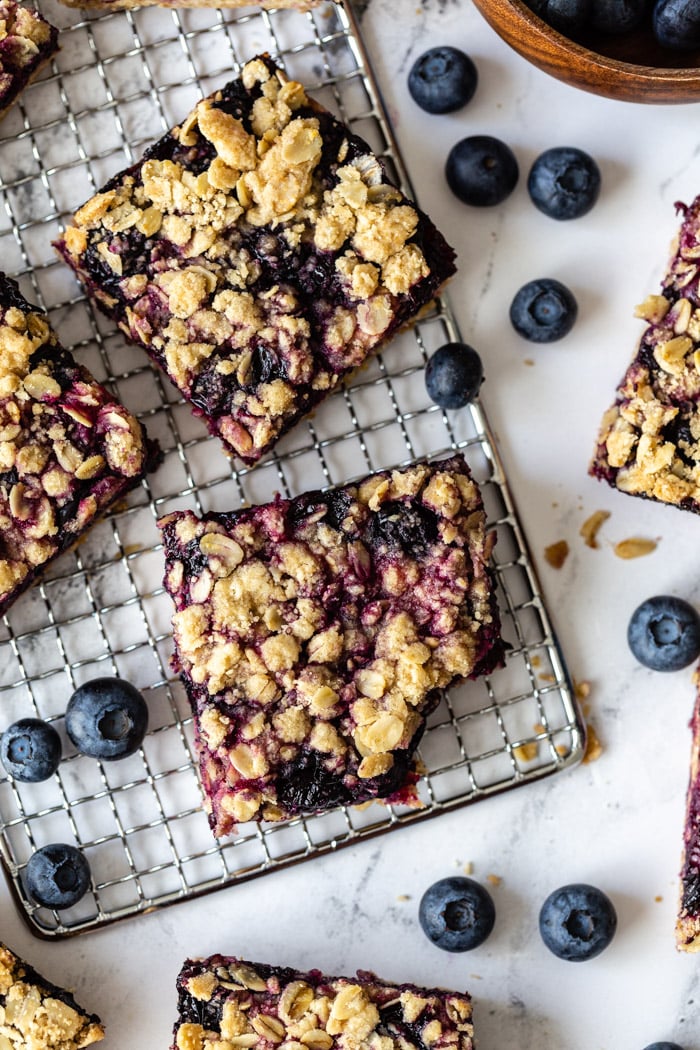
column 37, row 1015
column 649, row 439
column 27, row 41
column 68, row 449
column 258, row 253
column 226, row 1002
column 688, row 918
column 313, row 634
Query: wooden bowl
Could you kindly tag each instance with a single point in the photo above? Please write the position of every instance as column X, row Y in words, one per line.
column 632, row 67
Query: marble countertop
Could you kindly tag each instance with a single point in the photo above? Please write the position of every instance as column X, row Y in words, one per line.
column 615, row 822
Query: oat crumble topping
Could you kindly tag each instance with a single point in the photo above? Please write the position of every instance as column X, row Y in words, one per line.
column 634, row 547
column 258, row 253
column 68, row 449
column 27, row 42
column 555, row 554
column 592, row 526
column 648, row 443
column 313, row 635
column 224, row 1001
column 36, row 1014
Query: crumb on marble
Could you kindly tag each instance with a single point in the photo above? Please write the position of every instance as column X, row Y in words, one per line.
column 594, row 748
column 468, row 868
column 403, row 897
column 634, row 547
column 526, row 752
column 658, row 898
column 591, row 526
column 582, row 689
column 556, row 553
column 494, row 880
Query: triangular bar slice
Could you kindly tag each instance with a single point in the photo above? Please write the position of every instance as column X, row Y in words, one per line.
column 226, row 1001
column 313, row 636
column 36, row 1014
column 68, row 448
column 648, row 443
column 688, row 921
column 258, row 253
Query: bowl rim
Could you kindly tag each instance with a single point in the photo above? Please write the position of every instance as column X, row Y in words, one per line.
column 548, row 34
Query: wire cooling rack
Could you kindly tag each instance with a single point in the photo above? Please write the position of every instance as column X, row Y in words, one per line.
column 119, row 81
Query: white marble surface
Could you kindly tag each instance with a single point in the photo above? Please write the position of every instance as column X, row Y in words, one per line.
column 615, row 822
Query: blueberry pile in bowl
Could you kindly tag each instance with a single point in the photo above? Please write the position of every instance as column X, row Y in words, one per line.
column 646, row 51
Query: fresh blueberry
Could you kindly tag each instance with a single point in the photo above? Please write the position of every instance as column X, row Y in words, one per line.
column 663, row 1046
column 30, row 750
column 57, row 876
column 676, row 24
column 457, row 914
column 107, row 718
column 664, row 633
column 567, row 16
column 442, row 80
column 564, row 182
column 577, row 922
column 453, row 375
column 617, row 16
column 481, row 170
column 543, row 310
column 538, row 7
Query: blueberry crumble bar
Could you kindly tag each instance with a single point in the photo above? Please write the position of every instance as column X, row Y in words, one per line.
column 38, row 1015
column 688, row 919
column 225, row 1001
column 68, row 449
column 313, row 636
column 648, row 441
column 258, row 253
column 27, row 42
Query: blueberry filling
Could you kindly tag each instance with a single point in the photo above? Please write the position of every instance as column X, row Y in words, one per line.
column 678, row 432
column 401, row 526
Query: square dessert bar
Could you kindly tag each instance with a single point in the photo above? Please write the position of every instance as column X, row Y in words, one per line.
column 688, row 919
column 313, row 636
column 258, row 253
column 224, row 1001
column 68, row 449
column 648, row 441
column 27, row 42
column 38, row 1015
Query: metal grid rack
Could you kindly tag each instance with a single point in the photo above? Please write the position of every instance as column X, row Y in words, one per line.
column 119, row 81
